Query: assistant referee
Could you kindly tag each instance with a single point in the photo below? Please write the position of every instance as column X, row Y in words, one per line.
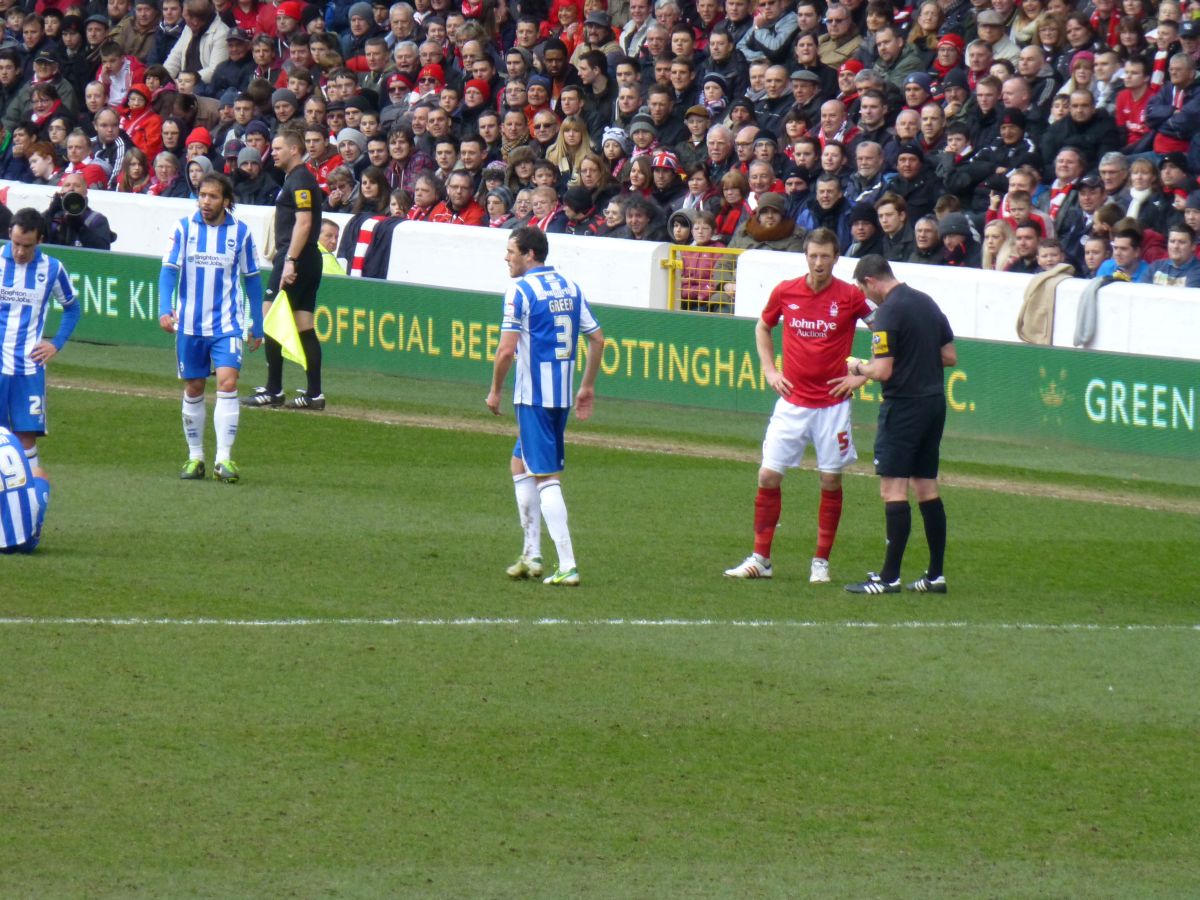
column 911, row 343
column 296, row 268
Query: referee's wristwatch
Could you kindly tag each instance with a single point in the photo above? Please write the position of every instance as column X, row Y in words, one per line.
column 293, row 260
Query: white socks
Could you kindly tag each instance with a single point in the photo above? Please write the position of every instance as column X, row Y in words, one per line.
column 194, row 412
column 554, row 508
column 529, row 509
column 225, row 422
column 31, row 454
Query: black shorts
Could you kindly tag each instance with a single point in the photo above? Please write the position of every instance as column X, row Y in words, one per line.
column 909, row 439
column 303, row 293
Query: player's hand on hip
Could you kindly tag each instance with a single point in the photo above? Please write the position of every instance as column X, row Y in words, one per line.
column 167, row 323
column 43, row 352
column 584, row 403
column 779, row 384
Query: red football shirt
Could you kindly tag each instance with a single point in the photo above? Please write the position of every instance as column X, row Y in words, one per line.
column 818, row 331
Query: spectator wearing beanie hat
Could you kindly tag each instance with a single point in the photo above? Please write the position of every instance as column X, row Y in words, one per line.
column 251, row 183
column 644, row 135
column 352, row 147
column 914, row 181
column 289, row 16
column 1012, row 148
column 476, row 97
column 958, row 241
column 199, row 142
column 582, row 217
column 769, row 228
column 431, row 79
column 499, row 204
column 285, row 104
column 362, row 27
column 865, row 231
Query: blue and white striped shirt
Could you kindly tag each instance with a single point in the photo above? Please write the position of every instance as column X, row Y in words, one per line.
column 25, row 295
column 20, row 507
column 550, row 312
column 212, row 261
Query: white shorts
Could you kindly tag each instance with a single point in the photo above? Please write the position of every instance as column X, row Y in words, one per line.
column 792, row 428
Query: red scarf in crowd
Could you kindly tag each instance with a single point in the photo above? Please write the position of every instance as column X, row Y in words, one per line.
column 1058, row 196
column 365, row 230
column 543, row 223
column 1113, row 38
column 1159, row 75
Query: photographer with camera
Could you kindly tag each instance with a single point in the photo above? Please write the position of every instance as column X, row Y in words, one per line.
column 71, row 222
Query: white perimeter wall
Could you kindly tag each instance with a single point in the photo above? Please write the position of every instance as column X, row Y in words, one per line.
column 1140, row 319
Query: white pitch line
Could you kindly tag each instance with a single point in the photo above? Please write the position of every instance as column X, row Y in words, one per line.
column 584, row 623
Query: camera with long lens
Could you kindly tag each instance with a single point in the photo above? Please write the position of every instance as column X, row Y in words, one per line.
column 74, row 203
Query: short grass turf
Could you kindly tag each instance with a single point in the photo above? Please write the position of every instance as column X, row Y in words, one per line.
column 808, row 757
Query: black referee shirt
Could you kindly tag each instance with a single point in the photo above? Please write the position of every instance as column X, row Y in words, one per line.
column 300, row 193
column 910, row 328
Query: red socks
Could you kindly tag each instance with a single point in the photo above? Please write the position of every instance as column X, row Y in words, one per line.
column 766, row 516
column 827, row 522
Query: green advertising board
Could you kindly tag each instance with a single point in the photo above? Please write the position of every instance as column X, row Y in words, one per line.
column 1134, row 404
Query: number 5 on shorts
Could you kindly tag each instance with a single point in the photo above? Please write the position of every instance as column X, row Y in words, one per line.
column 843, row 442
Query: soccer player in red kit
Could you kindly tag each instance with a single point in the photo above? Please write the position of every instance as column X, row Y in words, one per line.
column 818, row 313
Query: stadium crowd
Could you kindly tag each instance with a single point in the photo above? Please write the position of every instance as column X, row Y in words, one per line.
column 988, row 133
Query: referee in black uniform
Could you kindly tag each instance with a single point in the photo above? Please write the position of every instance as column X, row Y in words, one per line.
column 296, row 268
column 911, row 343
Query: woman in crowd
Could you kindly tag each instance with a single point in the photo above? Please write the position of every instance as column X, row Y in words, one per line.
column 57, row 129
column 167, row 180
column 1080, row 37
column 134, row 177
column 924, row 35
column 1131, row 41
column 701, row 192
column 343, row 191
column 641, row 179
column 593, row 175
column 997, row 246
column 734, row 209
column 373, row 193
column 614, row 216
column 569, row 148
column 1052, row 38
column 808, row 58
column 1027, row 22
column 1148, row 204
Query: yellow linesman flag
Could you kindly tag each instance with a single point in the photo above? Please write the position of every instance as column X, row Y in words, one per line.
column 281, row 325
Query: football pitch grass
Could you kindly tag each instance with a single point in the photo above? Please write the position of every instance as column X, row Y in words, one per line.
column 319, row 682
